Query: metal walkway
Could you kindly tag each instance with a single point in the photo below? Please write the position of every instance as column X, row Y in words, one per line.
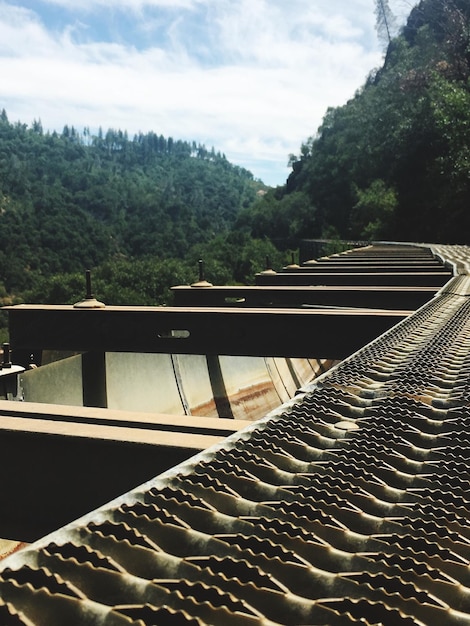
column 347, row 505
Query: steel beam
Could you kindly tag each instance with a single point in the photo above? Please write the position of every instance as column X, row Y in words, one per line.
column 403, row 298
column 370, row 267
column 372, row 258
column 310, row 333
column 369, row 279
column 63, row 461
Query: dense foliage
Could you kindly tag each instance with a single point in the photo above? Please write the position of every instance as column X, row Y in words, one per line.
column 139, row 212
column 394, row 162
column 73, row 201
column 228, row 258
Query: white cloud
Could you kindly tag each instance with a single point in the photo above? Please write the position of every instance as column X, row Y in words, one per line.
column 129, row 5
column 251, row 77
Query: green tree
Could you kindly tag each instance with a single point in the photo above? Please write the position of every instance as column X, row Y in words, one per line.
column 373, row 213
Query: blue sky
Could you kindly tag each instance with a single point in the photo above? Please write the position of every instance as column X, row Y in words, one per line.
column 253, row 78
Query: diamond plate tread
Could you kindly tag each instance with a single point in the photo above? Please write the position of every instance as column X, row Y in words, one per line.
column 347, row 505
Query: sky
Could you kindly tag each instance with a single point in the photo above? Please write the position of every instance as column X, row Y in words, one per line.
column 251, row 78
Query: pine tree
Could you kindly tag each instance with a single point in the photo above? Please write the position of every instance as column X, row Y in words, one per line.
column 386, row 22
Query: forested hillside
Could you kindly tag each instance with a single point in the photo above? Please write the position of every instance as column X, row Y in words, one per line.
column 394, row 162
column 74, row 201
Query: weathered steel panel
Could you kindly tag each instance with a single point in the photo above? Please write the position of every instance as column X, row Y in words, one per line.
column 142, row 382
column 249, row 386
column 57, row 383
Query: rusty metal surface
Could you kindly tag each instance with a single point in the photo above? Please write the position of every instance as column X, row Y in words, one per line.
column 347, row 505
column 9, row 546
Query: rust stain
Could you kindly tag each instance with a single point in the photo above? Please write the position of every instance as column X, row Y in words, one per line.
column 206, row 409
column 249, row 403
column 253, row 402
column 8, row 547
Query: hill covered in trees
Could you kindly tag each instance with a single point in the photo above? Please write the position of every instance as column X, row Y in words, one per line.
column 72, row 201
column 394, row 162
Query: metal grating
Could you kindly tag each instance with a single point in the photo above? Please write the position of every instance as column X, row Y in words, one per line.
column 348, row 505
